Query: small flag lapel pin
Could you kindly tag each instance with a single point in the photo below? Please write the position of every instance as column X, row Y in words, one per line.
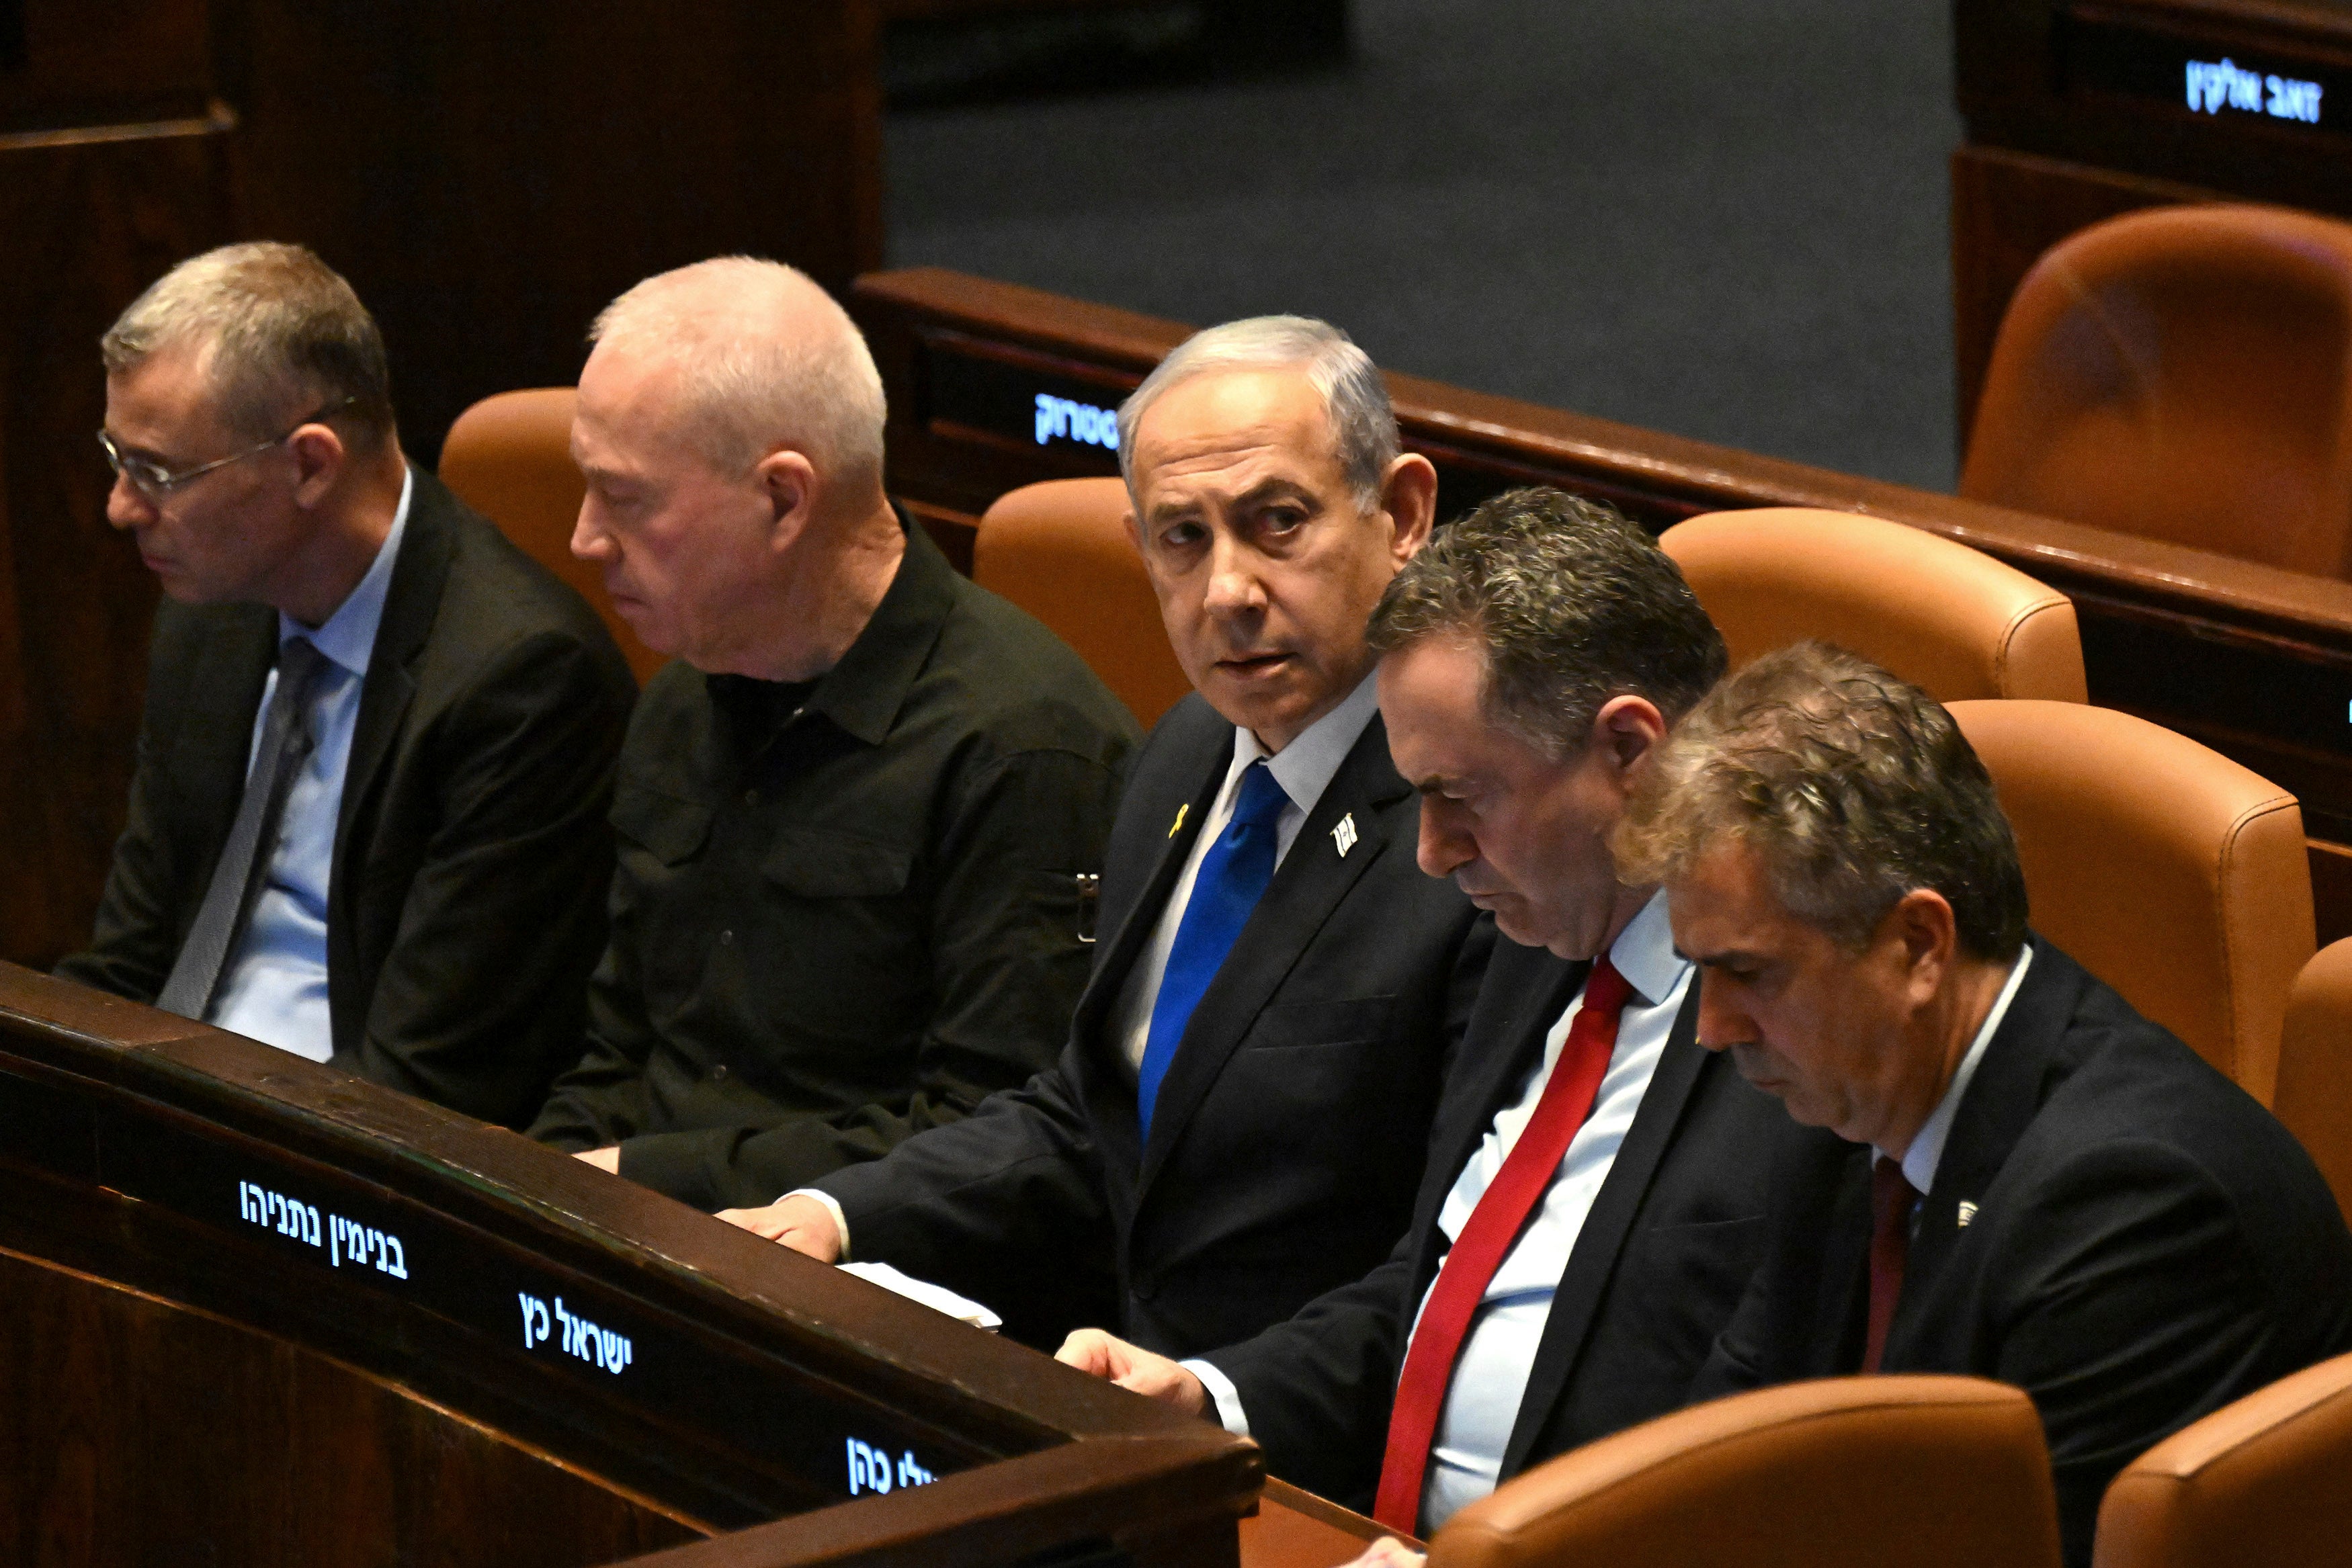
column 1344, row 835
column 1968, row 1212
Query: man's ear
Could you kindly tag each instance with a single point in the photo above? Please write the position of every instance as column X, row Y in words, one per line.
column 1929, row 932
column 319, row 455
column 1629, row 728
column 1409, row 495
column 788, row 479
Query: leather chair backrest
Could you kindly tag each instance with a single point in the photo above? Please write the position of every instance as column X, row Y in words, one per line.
column 509, row 458
column 2181, row 374
column 2259, row 1481
column 1060, row 551
column 2164, row 868
column 2315, row 1068
column 1951, row 620
column 1841, row 1473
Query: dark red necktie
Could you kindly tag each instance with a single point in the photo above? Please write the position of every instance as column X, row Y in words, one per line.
column 1494, row 1225
column 1891, row 1201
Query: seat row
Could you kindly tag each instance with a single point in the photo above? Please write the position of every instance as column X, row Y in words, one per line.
column 1862, row 1472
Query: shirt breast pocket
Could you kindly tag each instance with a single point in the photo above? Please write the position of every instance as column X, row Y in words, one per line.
column 843, row 955
column 663, row 826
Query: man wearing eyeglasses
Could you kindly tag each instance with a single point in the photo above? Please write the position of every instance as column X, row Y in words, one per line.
column 367, row 825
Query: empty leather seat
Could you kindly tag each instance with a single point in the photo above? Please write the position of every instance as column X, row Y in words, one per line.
column 1841, row 1473
column 1060, row 551
column 509, row 458
column 2259, row 1481
column 2181, row 374
column 1951, row 620
column 2168, row 870
column 2315, row 1068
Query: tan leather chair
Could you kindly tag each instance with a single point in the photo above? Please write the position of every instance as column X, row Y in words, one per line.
column 2164, row 868
column 2262, row 1481
column 509, row 458
column 1951, row 620
column 1059, row 550
column 2183, row 373
column 1850, row 1472
column 2315, row 1068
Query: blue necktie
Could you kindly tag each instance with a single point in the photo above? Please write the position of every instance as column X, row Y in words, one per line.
column 1233, row 875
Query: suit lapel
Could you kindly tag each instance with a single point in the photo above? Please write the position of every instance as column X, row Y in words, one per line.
column 1593, row 1259
column 235, row 664
column 1524, row 993
column 1307, row 887
column 409, row 604
column 2000, row 1103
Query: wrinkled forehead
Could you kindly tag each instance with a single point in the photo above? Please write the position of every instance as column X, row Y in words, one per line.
column 1243, row 424
column 631, row 407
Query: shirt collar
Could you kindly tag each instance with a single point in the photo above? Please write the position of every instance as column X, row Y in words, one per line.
column 863, row 693
column 1306, row 768
column 348, row 636
column 1926, row 1150
column 1644, row 953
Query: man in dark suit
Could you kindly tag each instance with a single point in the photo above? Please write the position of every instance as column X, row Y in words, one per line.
column 367, row 824
column 1237, row 1120
column 2015, row 1176
column 1593, row 1202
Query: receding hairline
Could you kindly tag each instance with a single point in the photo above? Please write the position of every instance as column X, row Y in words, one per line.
column 1317, row 415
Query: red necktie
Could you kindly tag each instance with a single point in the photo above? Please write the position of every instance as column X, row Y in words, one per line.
column 1891, row 1200
column 1494, row 1225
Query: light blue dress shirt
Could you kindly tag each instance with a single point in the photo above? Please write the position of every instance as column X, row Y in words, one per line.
column 274, row 986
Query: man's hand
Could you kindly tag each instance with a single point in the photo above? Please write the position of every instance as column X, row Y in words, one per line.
column 602, row 1159
column 799, row 1223
column 1388, row 1551
column 1134, row 1368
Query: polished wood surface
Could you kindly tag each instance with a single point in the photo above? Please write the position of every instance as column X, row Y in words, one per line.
column 218, row 1261
column 2255, row 661
column 2076, row 110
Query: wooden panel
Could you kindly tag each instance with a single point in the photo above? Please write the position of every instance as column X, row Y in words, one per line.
column 139, row 1431
column 95, row 63
column 84, row 227
column 488, row 177
column 2253, row 661
column 1294, row 1529
column 351, row 1300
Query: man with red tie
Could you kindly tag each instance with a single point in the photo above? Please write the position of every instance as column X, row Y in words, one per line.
column 2017, row 1176
column 1593, row 1199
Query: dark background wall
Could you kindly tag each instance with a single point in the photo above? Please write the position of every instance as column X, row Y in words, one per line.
column 1722, row 218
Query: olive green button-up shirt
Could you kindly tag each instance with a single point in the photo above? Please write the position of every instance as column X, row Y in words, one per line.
column 846, row 911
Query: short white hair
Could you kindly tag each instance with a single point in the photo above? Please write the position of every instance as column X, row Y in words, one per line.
column 765, row 359
column 1355, row 397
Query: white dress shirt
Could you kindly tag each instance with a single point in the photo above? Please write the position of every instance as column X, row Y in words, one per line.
column 1926, row 1150
column 1304, row 768
column 1482, row 1401
column 274, row 986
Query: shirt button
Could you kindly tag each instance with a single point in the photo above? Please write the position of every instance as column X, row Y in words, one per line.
column 719, row 1074
column 726, row 939
column 750, row 797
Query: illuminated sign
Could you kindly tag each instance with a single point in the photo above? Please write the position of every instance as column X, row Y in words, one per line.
column 872, row 1470
column 345, row 1240
column 2216, row 85
column 1062, row 418
column 2175, row 75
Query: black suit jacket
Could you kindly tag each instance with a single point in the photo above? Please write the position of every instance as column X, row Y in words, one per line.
column 471, row 853
column 1662, row 1260
column 1287, row 1139
column 2142, row 1242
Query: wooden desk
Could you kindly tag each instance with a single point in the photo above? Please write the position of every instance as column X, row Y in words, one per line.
column 255, row 1311
column 2079, row 110
column 992, row 386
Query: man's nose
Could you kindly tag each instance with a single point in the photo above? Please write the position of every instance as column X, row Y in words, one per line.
column 126, row 508
column 1441, row 850
column 1233, row 586
column 589, row 541
column 1720, row 1025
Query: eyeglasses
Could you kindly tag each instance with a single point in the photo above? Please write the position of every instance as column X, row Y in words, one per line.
column 153, row 481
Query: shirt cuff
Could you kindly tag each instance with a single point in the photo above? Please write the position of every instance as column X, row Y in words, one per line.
column 832, row 1206
column 1221, row 1388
